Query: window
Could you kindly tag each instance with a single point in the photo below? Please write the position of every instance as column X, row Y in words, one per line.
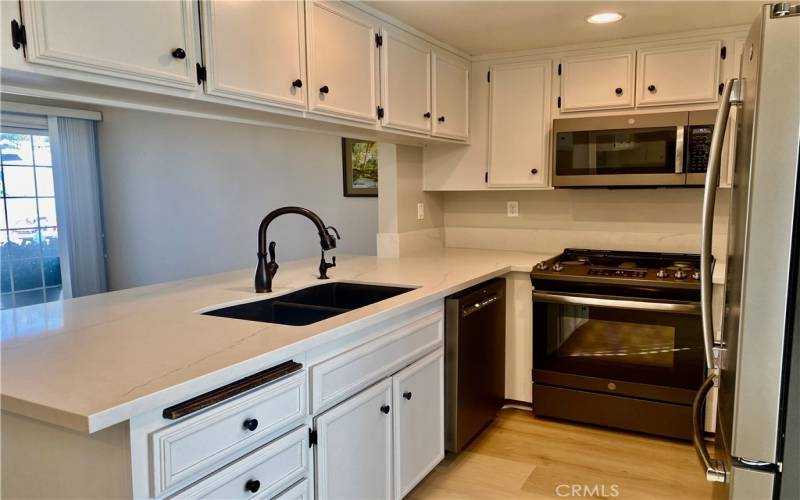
column 29, row 247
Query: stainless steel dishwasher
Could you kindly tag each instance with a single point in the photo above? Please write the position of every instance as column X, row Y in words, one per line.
column 475, row 340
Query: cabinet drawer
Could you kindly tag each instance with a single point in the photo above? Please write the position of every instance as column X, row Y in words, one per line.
column 343, row 375
column 261, row 474
column 195, row 446
column 301, row 490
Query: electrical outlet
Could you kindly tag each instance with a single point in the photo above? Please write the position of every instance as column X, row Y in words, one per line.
column 420, row 211
column 512, row 208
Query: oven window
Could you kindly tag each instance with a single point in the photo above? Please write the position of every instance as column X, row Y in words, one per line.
column 638, row 151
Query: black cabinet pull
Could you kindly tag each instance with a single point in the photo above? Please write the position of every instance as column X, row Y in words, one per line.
column 427, row 115
column 441, row 119
column 618, row 90
column 407, row 395
column 651, row 88
column 534, row 171
column 250, row 424
column 252, row 485
column 179, row 53
column 385, row 409
column 297, row 83
column 324, row 89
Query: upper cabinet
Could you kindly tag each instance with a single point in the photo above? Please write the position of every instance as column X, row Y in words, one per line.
column 405, row 81
column 342, row 61
column 151, row 42
column 519, row 114
column 450, row 96
column 678, row 74
column 255, row 51
column 603, row 81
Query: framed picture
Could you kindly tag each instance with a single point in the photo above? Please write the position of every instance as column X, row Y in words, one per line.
column 360, row 167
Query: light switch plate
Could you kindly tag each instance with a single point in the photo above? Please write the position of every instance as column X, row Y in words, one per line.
column 512, row 208
column 420, row 211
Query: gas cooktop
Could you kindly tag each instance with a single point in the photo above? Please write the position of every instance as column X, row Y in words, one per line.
column 656, row 269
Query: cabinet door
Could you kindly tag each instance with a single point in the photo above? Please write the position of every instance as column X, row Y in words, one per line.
column 145, row 41
column 681, row 74
column 450, row 97
column 405, row 82
column 342, row 61
column 354, row 447
column 519, row 124
column 597, row 82
column 255, row 51
column 418, row 421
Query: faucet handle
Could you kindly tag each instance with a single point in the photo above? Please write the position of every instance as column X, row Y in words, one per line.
column 272, row 251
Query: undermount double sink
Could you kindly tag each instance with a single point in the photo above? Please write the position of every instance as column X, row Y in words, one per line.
column 312, row 304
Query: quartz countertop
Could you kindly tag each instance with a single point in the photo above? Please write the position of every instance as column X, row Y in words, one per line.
column 96, row 361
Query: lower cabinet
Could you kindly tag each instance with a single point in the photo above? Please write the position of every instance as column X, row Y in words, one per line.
column 381, row 442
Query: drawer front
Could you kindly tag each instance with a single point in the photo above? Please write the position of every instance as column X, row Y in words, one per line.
column 261, row 474
column 199, row 444
column 298, row 491
column 345, row 374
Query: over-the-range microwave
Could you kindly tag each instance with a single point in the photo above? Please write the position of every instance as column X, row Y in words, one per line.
column 660, row 149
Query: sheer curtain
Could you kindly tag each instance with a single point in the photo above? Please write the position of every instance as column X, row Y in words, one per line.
column 76, row 176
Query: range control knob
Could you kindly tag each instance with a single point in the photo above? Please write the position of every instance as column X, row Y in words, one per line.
column 558, row 266
column 541, row 266
column 696, row 275
column 662, row 273
column 680, row 274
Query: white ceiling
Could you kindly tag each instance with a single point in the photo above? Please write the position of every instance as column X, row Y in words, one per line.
column 483, row 27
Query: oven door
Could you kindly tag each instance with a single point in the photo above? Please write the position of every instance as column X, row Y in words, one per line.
column 642, row 150
column 641, row 348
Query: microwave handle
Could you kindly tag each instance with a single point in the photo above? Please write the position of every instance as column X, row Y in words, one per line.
column 679, row 139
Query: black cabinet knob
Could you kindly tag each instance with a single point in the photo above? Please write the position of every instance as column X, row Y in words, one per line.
column 385, row 409
column 721, row 88
column 441, row 119
column 252, row 485
column 324, row 89
column 297, row 83
column 179, row 53
column 407, row 395
column 250, row 424
column 534, row 171
column 427, row 115
column 651, row 88
column 618, row 90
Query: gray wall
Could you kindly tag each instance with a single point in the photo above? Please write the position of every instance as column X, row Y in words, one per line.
column 183, row 196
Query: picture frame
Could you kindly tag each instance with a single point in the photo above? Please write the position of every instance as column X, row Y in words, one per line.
column 359, row 167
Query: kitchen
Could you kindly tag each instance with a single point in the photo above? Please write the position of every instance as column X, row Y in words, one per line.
column 573, row 262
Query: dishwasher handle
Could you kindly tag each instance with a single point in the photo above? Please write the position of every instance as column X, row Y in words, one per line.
column 476, row 306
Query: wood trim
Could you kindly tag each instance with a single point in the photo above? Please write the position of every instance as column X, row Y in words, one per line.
column 230, row 390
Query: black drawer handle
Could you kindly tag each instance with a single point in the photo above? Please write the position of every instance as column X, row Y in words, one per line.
column 252, row 485
column 251, row 424
column 407, row 395
column 618, row 90
column 297, row 83
column 427, row 115
column 651, row 88
column 324, row 89
column 441, row 119
column 179, row 53
column 385, row 409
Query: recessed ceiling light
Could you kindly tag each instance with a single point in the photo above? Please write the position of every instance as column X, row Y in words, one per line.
column 604, row 18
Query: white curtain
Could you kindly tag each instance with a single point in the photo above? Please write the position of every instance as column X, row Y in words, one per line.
column 76, row 175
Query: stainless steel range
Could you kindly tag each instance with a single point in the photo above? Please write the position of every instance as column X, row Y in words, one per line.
column 617, row 339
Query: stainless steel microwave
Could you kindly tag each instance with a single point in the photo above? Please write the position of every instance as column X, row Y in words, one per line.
column 660, row 149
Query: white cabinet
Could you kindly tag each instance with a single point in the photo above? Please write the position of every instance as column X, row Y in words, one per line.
column 418, row 393
column 255, row 51
column 450, row 96
column 151, row 42
column 342, row 61
column 678, row 74
column 603, row 81
column 519, row 114
column 354, row 447
column 405, row 82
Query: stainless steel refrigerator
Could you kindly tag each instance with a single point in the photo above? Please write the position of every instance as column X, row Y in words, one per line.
column 755, row 363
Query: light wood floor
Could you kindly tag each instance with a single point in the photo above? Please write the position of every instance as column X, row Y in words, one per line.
column 520, row 456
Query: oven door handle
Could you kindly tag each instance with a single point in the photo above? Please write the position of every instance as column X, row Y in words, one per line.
column 641, row 305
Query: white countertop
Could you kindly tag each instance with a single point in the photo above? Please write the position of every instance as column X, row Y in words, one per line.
column 92, row 362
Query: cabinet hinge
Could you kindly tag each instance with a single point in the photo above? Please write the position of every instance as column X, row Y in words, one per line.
column 378, row 39
column 559, row 102
column 559, row 69
column 312, row 437
column 18, row 36
column 201, row 73
column 489, row 76
column 380, row 113
column 486, row 177
column 723, row 52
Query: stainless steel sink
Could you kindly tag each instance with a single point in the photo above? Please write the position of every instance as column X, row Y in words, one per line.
column 311, row 304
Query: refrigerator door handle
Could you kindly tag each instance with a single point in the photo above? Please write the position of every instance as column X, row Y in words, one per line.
column 715, row 470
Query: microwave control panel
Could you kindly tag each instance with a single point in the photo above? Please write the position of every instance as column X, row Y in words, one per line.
column 698, row 147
